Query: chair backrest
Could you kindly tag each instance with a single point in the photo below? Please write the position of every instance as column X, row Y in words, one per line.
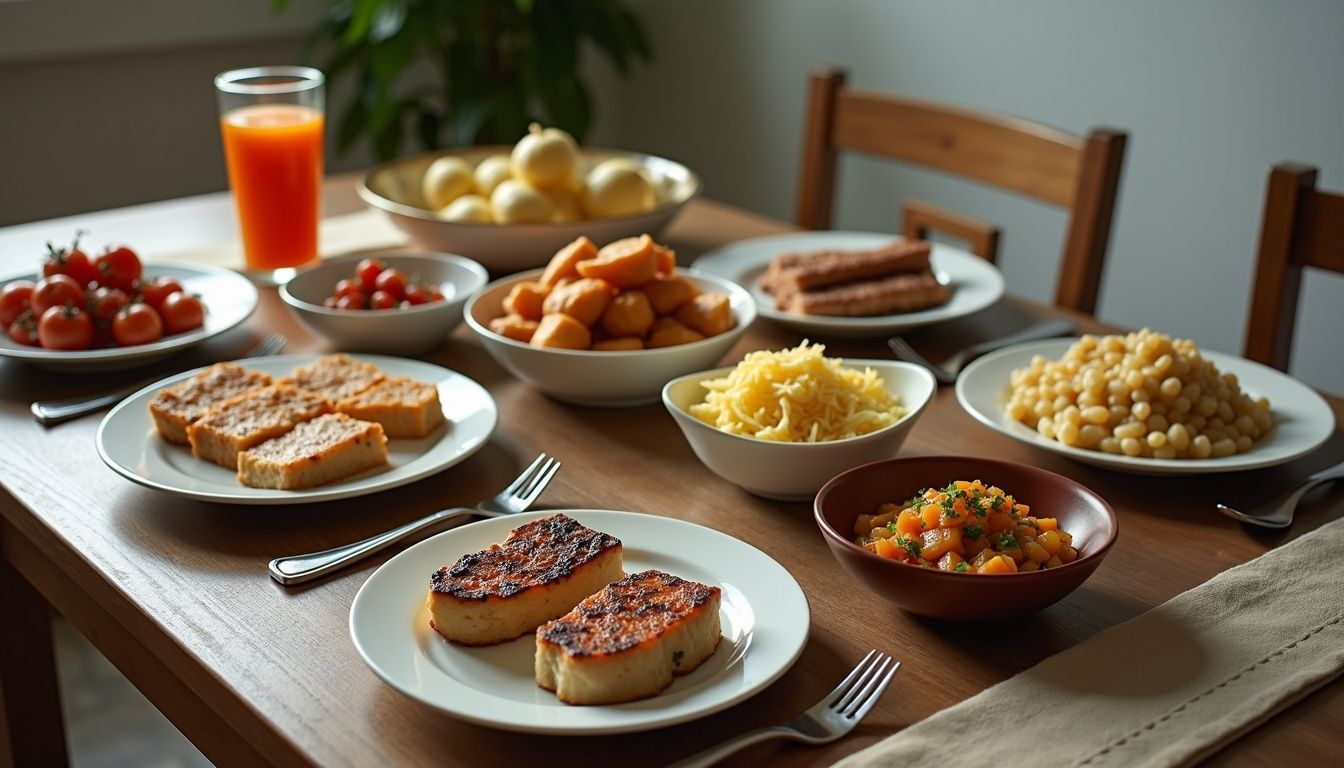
column 1079, row 173
column 1302, row 227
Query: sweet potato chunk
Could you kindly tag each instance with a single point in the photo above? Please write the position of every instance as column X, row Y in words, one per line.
column 584, row 300
column 938, row 542
column 562, row 332
column 562, row 263
column 667, row 332
column 908, row 522
column 526, row 298
column 623, row 344
column 1000, row 564
column 668, row 293
column 666, row 259
column 629, row 314
column 515, row 327
column 708, row 313
column 626, row 263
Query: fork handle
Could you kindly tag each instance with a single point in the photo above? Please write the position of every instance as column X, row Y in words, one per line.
column 298, row 569
column 719, row 751
column 52, row 412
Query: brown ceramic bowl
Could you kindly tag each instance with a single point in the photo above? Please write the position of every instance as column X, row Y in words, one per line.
column 962, row 597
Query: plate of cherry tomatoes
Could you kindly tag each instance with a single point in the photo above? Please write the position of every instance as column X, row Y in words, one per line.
column 110, row 310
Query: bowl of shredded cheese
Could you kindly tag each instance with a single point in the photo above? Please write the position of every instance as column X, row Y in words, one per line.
column 780, row 424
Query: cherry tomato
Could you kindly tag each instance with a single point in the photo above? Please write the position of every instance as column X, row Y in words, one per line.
column 65, row 327
column 405, row 304
column 158, row 289
column 392, row 281
column 182, row 312
column 382, row 300
column 416, row 294
column 14, row 300
column 23, row 330
column 70, row 261
column 349, row 288
column 137, row 324
column 54, row 291
column 432, row 293
column 104, row 304
column 350, row 302
column 368, row 270
column 329, row 302
column 118, row 268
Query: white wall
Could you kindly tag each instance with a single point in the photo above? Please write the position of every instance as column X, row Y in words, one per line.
column 1212, row 93
column 106, row 103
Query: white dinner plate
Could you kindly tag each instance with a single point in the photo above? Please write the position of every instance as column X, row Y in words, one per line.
column 129, row 444
column 229, row 299
column 764, row 618
column 1303, row 420
column 975, row 282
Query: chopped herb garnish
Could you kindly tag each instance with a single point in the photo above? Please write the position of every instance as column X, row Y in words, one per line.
column 972, row 531
column 1006, row 540
column 909, row 545
column 961, row 567
column 996, row 503
column 949, row 511
column 976, row 504
column 918, row 503
column 892, row 527
column 677, row 657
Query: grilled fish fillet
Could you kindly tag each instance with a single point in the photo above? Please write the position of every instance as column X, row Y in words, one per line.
column 540, row 571
column 628, row 641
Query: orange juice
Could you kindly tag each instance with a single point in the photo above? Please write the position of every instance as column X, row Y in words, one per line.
column 274, row 154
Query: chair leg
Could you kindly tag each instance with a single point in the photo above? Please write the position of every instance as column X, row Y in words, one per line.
column 32, row 728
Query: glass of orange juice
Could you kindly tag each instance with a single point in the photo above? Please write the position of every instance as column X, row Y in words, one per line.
column 271, row 121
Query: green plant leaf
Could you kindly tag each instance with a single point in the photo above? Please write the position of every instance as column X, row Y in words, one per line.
column 568, row 106
column 353, row 123
column 388, row 59
column 388, row 20
column 427, row 126
column 361, row 19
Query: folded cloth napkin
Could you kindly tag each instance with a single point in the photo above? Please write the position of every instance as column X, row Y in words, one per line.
column 1167, row 688
column 336, row 235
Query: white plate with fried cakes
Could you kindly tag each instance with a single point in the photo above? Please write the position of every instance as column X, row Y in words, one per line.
column 763, row 617
column 974, row 283
column 129, row 442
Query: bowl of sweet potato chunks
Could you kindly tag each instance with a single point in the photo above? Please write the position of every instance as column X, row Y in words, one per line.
column 609, row 326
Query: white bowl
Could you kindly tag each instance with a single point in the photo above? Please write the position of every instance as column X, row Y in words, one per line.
column 796, row 471
column 394, row 188
column 388, row 331
column 605, row 379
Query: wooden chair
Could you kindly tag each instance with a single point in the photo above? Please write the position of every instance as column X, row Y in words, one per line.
column 1081, row 174
column 1302, row 227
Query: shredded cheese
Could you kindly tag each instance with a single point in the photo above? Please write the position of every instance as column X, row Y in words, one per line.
column 797, row 396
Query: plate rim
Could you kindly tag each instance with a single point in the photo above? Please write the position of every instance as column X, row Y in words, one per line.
column 162, row 347
column 801, row 619
column 877, row 324
column 310, row 496
column 1140, row 465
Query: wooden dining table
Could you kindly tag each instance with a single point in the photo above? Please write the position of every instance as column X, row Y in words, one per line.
column 175, row 592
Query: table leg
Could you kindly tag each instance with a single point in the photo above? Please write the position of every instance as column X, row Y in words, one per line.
column 32, row 731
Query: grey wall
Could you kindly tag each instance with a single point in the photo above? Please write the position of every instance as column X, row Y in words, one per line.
column 117, row 109
column 1212, row 93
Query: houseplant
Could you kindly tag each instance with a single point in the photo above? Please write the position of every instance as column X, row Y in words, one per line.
column 459, row 72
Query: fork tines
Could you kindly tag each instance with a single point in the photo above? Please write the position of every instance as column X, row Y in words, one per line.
column 864, row 685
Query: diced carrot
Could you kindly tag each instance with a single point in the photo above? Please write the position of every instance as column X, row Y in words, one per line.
column 930, row 514
column 908, row 522
column 885, row 548
column 1047, row 523
column 1022, row 509
column 999, row 521
column 1000, row 564
column 939, row 541
column 949, row 561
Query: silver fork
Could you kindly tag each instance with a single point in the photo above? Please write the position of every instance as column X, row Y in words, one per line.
column 947, row 372
column 832, row 717
column 1279, row 512
column 52, row 412
column 297, row 569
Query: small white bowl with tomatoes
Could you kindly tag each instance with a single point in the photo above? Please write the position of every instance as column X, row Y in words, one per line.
column 393, row 302
column 111, row 311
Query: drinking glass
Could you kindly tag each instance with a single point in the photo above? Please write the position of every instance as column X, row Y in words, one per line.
column 271, row 120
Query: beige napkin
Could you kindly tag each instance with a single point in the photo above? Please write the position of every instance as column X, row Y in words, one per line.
column 335, row 235
column 1166, row 688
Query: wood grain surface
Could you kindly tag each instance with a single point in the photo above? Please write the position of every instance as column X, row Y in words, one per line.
column 175, row 592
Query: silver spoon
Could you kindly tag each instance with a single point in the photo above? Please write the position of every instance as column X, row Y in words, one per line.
column 1278, row 513
column 947, row 372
